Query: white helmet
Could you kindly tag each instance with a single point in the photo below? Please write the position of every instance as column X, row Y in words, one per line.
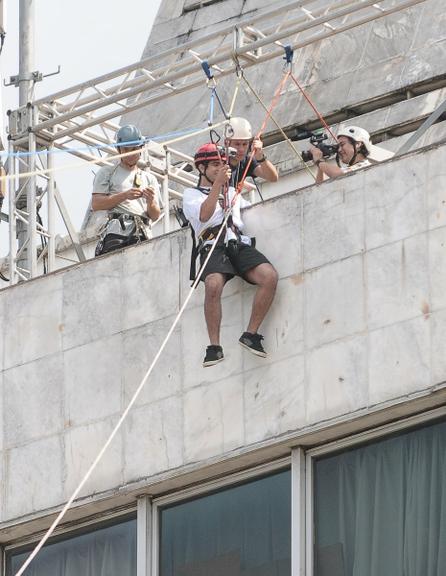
column 376, row 153
column 239, row 129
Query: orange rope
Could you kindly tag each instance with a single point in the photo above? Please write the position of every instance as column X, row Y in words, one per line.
column 310, row 102
column 262, row 128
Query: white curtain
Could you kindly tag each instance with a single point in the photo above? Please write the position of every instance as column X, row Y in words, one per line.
column 109, row 551
column 240, row 531
column 380, row 510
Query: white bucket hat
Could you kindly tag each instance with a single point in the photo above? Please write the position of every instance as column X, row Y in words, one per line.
column 376, row 153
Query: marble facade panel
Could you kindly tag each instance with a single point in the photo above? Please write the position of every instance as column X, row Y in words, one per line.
column 148, row 291
column 213, row 419
column 82, row 444
column 334, row 219
column 35, row 312
column 395, row 202
column 153, row 439
column 398, row 281
column 438, row 346
column 437, row 267
column 92, row 300
column 33, row 477
column 336, row 381
column 93, row 381
column 139, row 347
column 334, row 301
column 274, row 399
column 33, row 400
column 399, row 360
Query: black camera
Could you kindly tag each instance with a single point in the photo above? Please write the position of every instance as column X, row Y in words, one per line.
column 318, row 141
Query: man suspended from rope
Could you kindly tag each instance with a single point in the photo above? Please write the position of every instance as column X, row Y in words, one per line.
column 355, row 151
column 129, row 194
column 241, row 139
column 234, row 254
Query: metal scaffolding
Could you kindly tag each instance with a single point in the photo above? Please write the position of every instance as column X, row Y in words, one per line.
column 84, row 113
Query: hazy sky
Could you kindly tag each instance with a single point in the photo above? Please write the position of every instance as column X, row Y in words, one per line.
column 87, row 38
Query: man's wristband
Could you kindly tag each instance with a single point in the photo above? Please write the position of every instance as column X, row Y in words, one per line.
column 261, row 159
column 317, row 162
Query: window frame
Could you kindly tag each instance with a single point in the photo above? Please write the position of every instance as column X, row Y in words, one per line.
column 336, row 446
column 203, row 489
column 75, row 529
column 300, row 461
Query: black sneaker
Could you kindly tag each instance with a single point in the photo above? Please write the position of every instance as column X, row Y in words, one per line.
column 253, row 342
column 214, row 355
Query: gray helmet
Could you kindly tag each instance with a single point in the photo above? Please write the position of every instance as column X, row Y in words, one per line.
column 129, row 135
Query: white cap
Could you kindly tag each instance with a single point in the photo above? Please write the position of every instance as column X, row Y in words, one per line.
column 239, row 129
column 376, row 153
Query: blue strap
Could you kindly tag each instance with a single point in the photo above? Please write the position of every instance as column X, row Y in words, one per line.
column 289, row 53
column 221, row 105
column 211, row 108
column 207, row 69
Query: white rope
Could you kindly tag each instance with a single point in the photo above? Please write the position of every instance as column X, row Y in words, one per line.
column 223, row 122
column 102, row 159
column 124, row 415
column 126, row 411
column 186, row 136
column 124, row 154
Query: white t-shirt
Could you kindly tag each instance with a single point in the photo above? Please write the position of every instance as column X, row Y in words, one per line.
column 114, row 179
column 193, row 198
column 356, row 166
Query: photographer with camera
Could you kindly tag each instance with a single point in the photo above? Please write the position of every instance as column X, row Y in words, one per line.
column 353, row 151
column 242, row 141
column 234, row 255
column 129, row 194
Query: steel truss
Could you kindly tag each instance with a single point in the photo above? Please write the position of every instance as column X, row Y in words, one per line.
column 84, row 113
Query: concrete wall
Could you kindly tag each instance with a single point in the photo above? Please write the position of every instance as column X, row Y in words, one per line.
column 359, row 323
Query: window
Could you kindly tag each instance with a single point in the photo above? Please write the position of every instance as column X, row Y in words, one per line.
column 380, row 509
column 190, row 5
column 108, row 550
column 244, row 530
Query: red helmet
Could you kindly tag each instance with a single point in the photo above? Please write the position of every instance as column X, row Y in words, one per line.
column 208, row 153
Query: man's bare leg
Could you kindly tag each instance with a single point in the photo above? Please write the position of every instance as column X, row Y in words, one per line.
column 213, row 284
column 265, row 277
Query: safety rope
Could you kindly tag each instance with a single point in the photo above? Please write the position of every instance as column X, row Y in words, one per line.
column 290, row 142
column 227, row 215
column 211, row 109
column 112, row 157
column 217, row 125
column 234, row 97
column 313, row 106
column 179, row 135
column 188, row 131
column 202, row 131
column 289, row 56
column 183, row 135
column 269, row 110
column 212, row 84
